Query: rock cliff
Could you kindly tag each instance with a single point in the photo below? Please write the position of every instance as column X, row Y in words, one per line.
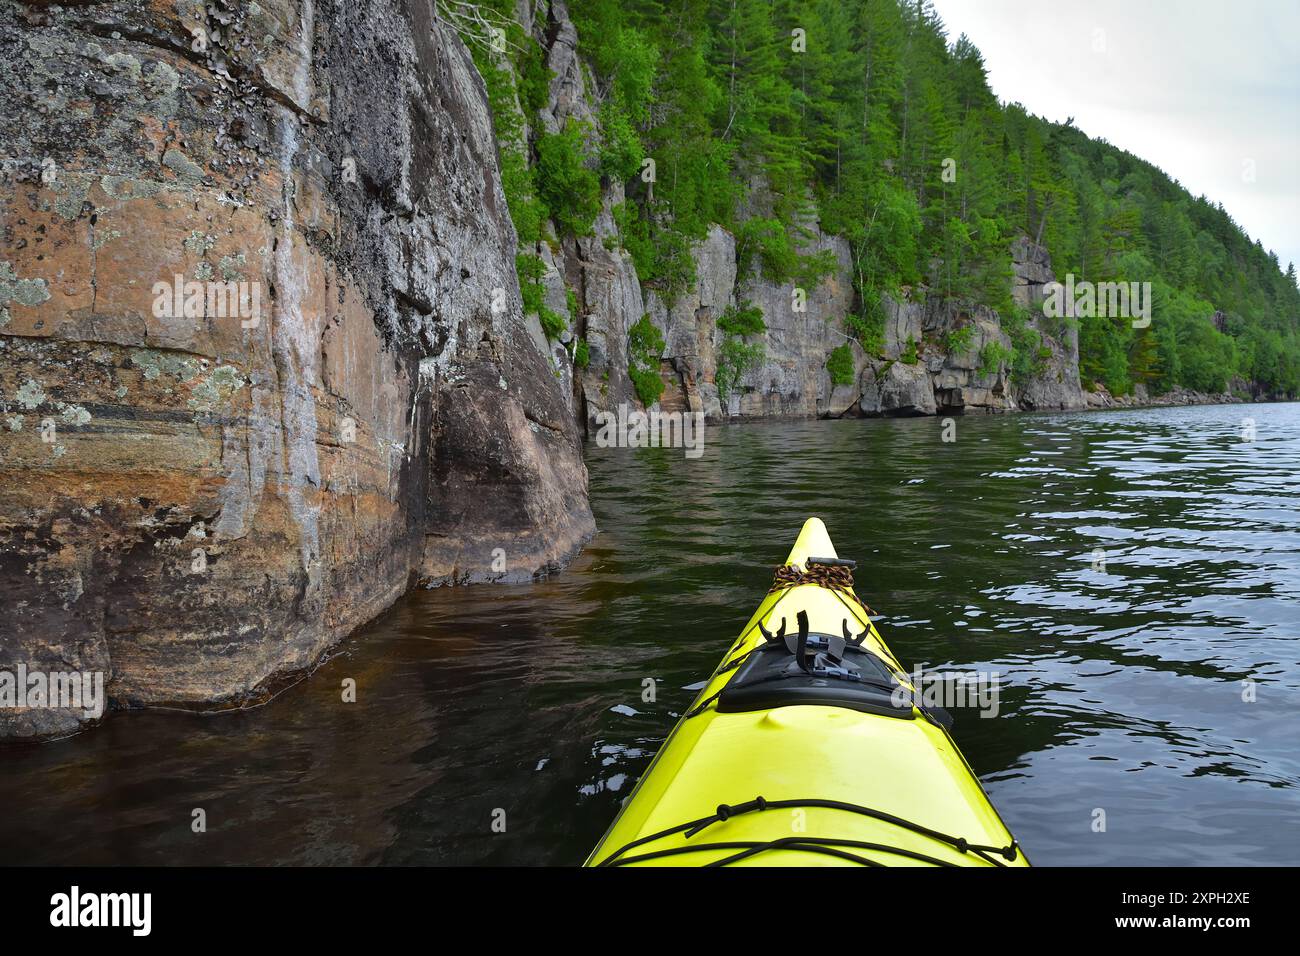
column 943, row 358
column 926, row 365
column 263, row 363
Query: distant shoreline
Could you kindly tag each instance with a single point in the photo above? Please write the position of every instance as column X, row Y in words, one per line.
column 1186, row 400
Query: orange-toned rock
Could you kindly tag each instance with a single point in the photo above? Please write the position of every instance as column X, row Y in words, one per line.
column 251, row 384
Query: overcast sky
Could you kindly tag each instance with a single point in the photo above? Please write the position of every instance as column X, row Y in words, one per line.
column 1198, row 87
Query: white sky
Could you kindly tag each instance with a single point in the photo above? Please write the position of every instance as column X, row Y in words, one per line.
column 1197, row 87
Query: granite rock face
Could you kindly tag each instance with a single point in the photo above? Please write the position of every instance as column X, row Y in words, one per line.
column 792, row 381
column 935, row 357
column 803, row 326
column 208, row 480
column 896, row 388
column 1057, row 385
column 1033, row 270
column 690, row 327
column 601, row 276
column 950, row 351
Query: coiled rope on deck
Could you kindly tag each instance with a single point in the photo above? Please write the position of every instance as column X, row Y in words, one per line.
column 837, row 578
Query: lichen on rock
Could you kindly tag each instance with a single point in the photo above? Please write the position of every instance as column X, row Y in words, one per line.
column 348, row 442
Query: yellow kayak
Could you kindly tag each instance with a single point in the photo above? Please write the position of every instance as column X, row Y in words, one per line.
column 807, row 748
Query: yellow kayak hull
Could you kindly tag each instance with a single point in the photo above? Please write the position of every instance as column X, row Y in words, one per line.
column 907, row 768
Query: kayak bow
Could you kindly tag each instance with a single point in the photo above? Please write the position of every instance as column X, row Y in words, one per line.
column 805, row 748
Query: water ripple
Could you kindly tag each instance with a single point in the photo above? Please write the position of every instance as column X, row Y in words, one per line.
column 1132, row 576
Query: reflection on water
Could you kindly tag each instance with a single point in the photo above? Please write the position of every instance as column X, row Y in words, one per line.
column 1124, row 571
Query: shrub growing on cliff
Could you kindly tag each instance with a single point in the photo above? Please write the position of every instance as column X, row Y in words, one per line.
column 621, row 152
column 553, row 323
column 869, row 326
column 531, row 269
column 673, row 268
column 1028, row 356
column 766, row 242
column 909, row 355
column 735, row 358
column 959, row 341
column 629, row 60
column 633, row 236
column 645, row 347
column 507, row 96
column 735, row 355
column 570, row 190
column 534, row 82
column 993, row 356
column 816, row 266
column 742, row 320
column 840, row 365
column 662, row 257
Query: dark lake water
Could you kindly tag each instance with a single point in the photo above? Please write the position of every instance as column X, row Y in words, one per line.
column 1122, row 690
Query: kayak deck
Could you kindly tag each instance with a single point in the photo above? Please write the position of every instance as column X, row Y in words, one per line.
column 905, row 767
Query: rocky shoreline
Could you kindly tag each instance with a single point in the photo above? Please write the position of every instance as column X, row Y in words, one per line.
column 914, row 372
column 1102, row 399
column 198, row 503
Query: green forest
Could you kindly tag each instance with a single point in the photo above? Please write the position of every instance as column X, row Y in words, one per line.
column 865, row 114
